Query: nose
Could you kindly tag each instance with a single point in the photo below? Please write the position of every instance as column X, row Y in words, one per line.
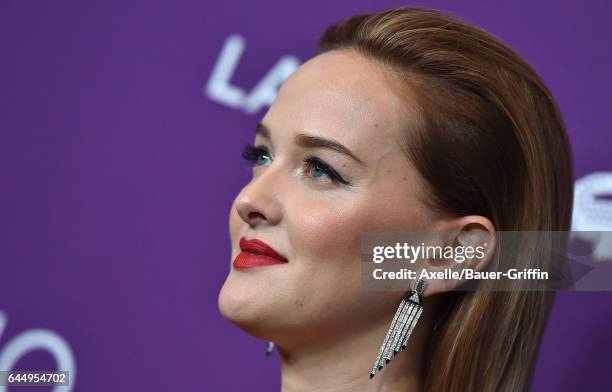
column 259, row 201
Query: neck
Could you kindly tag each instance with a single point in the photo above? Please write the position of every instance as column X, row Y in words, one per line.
column 343, row 364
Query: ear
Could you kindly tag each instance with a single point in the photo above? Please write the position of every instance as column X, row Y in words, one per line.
column 470, row 242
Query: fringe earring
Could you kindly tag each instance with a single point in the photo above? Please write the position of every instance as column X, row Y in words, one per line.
column 269, row 348
column 401, row 327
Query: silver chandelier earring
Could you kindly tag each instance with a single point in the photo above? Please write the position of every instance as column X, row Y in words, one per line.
column 401, row 327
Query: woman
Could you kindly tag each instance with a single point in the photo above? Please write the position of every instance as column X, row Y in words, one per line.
column 407, row 119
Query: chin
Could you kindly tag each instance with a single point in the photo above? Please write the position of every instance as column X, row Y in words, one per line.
column 253, row 313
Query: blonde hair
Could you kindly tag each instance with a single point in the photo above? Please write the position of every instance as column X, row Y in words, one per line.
column 491, row 142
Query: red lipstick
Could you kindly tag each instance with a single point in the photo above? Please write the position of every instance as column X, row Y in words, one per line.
column 256, row 253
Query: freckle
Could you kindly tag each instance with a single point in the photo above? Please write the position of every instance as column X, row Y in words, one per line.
column 404, row 179
column 375, row 125
column 388, row 170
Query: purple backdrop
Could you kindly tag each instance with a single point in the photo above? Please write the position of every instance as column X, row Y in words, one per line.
column 120, row 157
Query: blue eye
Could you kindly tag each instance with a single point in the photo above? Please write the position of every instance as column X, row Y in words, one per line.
column 258, row 155
column 263, row 159
column 316, row 168
column 317, row 172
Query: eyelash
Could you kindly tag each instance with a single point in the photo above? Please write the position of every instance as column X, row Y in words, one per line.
column 252, row 154
column 314, row 162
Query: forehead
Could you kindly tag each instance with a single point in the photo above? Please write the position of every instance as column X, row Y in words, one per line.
column 344, row 96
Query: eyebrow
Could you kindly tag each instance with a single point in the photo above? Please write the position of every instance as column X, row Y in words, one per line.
column 309, row 141
column 262, row 130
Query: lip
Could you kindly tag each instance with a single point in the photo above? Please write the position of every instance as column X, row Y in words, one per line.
column 256, row 253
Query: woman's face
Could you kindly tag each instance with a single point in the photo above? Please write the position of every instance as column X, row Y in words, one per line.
column 342, row 111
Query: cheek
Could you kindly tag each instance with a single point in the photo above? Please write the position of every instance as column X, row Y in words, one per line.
column 326, row 281
column 324, row 229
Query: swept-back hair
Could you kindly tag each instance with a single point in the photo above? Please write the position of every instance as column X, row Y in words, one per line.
column 490, row 141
